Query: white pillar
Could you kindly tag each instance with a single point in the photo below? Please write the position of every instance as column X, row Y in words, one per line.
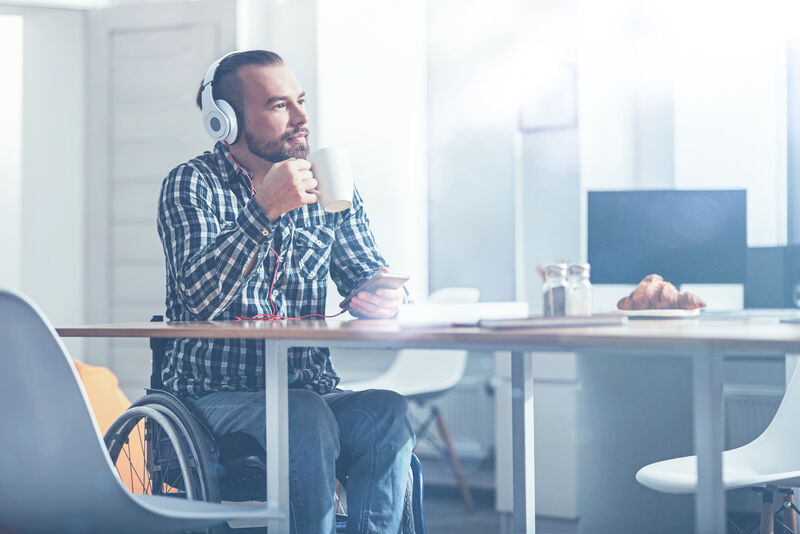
column 11, row 152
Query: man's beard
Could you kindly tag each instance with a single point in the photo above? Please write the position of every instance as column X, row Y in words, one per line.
column 280, row 149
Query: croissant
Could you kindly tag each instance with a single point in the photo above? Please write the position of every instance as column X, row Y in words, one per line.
column 690, row 301
column 625, row 303
column 653, row 293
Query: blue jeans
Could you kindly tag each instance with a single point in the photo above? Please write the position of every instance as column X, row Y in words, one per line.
column 365, row 436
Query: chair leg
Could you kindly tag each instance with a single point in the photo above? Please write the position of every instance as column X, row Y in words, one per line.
column 423, row 428
column 767, row 523
column 462, row 483
column 789, row 518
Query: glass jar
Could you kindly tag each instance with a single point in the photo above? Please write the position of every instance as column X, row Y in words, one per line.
column 554, row 289
column 579, row 292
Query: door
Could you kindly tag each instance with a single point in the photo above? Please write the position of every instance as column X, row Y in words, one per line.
column 146, row 62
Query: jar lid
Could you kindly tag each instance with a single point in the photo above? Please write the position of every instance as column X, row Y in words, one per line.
column 556, row 269
column 579, row 268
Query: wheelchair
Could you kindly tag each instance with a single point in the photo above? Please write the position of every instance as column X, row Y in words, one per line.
column 161, row 448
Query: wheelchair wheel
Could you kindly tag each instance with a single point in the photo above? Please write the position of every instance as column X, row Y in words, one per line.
column 160, row 449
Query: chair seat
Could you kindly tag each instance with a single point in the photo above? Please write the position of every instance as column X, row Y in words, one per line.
column 679, row 475
column 168, row 507
column 772, row 458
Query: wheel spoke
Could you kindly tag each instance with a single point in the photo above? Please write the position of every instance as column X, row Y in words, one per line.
column 131, row 467
column 155, row 462
column 178, row 474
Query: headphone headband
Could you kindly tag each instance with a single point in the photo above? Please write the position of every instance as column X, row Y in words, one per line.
column 219, row 117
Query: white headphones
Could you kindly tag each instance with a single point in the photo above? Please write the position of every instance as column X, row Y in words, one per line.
column 219, row 117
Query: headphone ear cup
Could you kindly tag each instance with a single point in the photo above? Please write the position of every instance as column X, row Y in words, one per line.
column 233, row 123
column 216, row 124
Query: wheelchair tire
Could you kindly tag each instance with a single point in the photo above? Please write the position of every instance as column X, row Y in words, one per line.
column 159, row 448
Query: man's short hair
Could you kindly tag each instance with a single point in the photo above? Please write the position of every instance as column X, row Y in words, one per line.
column 227, row 84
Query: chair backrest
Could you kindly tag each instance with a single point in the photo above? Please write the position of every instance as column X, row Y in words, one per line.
column 777, row 445
column 55, row 473
column 53, row 462
column 419, row 373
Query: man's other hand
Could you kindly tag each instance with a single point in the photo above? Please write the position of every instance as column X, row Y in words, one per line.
column 383, row 304
column 288, row 185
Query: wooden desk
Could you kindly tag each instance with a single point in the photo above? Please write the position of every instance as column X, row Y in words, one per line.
column 706, row 342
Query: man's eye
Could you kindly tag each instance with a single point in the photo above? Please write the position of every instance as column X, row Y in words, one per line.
column 279, row 106
column 302, row 102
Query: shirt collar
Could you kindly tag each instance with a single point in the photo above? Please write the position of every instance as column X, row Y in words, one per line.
column 232, row 172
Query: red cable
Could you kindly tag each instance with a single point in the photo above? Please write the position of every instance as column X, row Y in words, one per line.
column 252, row 192
column 272, row 316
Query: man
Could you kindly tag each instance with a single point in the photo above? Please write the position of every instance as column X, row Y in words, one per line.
column 243, row 235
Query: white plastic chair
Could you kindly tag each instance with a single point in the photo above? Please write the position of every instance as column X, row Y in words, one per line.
column 423, row 375
column 771, row 461
column 55, row 473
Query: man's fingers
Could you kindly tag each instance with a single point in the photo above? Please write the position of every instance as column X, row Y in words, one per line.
column 391, row 294
column 300, row 164
column 368, row 309
column 303, row 175
column 376, row 306
column 309, row 197
column 382, row 297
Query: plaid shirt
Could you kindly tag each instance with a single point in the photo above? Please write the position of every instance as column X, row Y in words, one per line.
column 210, row 231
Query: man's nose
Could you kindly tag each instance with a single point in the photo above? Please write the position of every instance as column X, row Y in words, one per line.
column 299, row 117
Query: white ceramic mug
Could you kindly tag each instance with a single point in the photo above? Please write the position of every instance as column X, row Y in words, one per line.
column 334, row 173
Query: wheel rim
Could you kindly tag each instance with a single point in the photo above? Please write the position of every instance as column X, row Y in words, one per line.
column 148, row 461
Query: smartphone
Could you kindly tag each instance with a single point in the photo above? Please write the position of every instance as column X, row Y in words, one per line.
column 378, row 281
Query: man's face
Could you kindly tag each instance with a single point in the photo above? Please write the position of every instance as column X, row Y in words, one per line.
column 274, row 114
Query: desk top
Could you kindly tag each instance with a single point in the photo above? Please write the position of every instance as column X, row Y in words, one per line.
column 733, row 334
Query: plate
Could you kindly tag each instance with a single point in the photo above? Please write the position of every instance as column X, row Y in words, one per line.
column 659, row 314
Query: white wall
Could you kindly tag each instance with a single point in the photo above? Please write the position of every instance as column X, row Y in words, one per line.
column 605, row 94
column 721, row 66
column 11, row 36
column 372, row 83
column 363, row 66
column 730, row 106
column 290, row 29
column 54, row 146
column 42, row 234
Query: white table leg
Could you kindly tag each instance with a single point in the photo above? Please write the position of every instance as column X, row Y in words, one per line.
column 503, row 439
column 276, row 390
column 522, row 422
column 708, row 437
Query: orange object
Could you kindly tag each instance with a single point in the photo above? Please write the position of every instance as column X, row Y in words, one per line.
column 109, row 402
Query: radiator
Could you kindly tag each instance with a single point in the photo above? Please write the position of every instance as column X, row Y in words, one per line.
column 468, row 411
column 748, row 411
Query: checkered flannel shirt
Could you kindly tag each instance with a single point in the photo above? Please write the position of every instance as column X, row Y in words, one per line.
column 210, row 231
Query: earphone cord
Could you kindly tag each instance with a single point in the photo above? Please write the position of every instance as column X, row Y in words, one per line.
column 272, row 316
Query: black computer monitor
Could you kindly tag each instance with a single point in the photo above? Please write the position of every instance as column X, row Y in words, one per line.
column 692, row 236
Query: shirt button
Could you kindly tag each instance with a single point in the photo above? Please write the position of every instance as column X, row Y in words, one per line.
column 274, row 292
column 265, row 233
column 319, row 242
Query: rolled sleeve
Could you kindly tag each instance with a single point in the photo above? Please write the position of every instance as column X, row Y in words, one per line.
column 355, row 254
column 254, row 223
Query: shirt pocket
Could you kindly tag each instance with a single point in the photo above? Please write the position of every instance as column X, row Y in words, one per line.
column 312, row 250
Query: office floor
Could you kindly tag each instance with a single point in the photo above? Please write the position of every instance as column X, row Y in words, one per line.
column 445, row 513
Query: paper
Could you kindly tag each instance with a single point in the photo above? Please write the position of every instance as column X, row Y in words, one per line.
column 433, row 315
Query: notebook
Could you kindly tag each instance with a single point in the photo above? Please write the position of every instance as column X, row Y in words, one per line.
column 540, row 321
